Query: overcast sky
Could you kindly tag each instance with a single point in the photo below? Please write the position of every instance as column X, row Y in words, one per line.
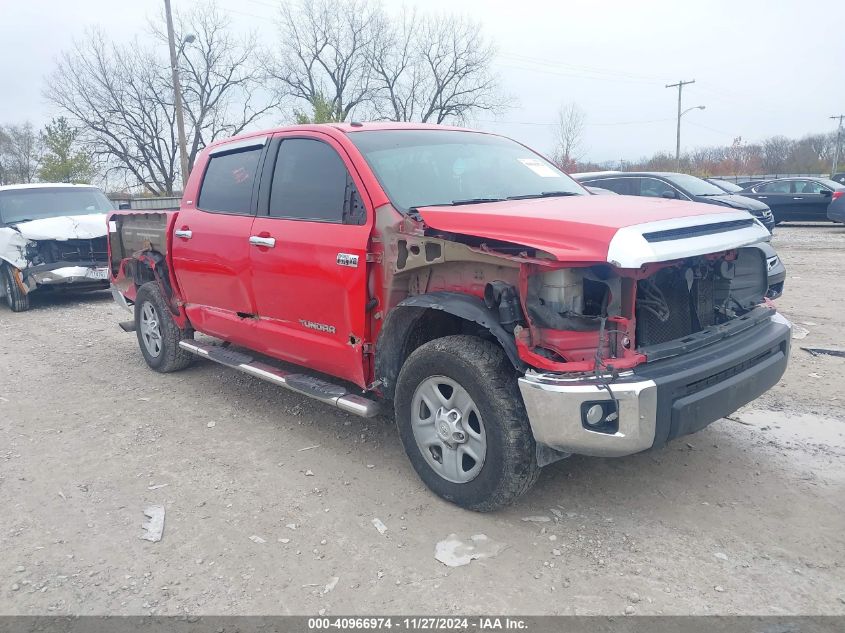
column 761, row 68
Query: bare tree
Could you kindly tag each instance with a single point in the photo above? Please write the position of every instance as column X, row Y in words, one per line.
column 434, row 69
column 220, row 76
column 322, row 56
column 121, row 98
column 357, row 59
column 776, row 153
column 20, row 153
column 569, row 136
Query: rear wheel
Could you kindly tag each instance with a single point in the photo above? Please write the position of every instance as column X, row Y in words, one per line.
column 158, row 334
column 16, row 299
column 463, row 424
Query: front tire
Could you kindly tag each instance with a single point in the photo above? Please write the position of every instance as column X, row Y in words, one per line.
column 16, row 299
column 158, row 334
column 463, row 424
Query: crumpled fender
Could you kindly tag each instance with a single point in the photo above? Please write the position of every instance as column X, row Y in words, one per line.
column 391, row 346
column 13, row 247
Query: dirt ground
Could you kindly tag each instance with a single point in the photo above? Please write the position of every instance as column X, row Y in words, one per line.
column 270, row 497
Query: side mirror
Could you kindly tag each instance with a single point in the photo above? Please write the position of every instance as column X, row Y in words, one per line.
column 123, row 206
column 826, row 193
column 672, row 195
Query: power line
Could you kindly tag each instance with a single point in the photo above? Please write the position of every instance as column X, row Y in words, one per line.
column 559, row 73
column 540, row 123
column 575, row 67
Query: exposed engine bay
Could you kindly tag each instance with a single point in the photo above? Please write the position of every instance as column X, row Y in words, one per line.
column 624, row 313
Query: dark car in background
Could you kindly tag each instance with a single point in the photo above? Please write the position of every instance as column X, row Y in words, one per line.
column 799, row 198
column 725, row 185
column 676, row 187
column 840, row 178
column 684, row 187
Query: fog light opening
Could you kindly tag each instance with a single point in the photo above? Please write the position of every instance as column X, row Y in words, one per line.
column 600, row 416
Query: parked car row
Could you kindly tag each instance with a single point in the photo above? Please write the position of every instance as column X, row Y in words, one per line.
column 808, row 199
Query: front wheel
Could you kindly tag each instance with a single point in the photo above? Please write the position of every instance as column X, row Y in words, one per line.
column 158, row 334
column 16, row 299
column 463, row 424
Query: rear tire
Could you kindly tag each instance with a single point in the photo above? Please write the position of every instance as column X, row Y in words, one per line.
column 473, row 378
column 158, row 334
column 16, row 299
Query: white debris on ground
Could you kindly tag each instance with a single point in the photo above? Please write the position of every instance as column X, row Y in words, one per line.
column 256, row 539
column 799, row 332
column 330, row 585
column 536, row 519
column 381, row 527
column 453, row 552
column 154, row 528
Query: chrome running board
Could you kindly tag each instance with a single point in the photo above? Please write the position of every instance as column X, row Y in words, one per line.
column 310, row 386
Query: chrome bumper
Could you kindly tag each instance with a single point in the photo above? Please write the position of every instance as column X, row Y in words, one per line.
column 662, row 400
column 69, row 275
column 554, row 404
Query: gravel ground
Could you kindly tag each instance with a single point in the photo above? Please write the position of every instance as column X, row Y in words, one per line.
column 270, row 497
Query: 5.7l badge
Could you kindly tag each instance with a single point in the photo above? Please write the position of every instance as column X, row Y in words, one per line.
column 346, row 259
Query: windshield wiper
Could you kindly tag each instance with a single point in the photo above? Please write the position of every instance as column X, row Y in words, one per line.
column 455, row 203
column 545, row 194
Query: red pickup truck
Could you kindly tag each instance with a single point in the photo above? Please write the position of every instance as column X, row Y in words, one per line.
column 507, row 317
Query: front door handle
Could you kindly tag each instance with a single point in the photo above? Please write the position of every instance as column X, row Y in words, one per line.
column 797, row 198
column 762, row 197
column 257, row 240
column 185, row 234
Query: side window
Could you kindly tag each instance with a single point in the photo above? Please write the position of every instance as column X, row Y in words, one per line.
column 310, row 182
column 656, row 188
column 777, row 186
column 808, row 186
column 622, row 186
column 227, row 184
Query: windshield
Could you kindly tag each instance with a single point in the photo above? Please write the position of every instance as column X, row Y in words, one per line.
column 20, row 205
column 420, row 168
column 694, row 186
column 726, row 185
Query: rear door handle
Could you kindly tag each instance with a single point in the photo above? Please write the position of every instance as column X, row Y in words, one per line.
column 185, row 234
column 257, row 240
column 762, row 197
column 797, row 198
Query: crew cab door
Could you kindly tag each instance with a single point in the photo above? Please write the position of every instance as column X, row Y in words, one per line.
column 308, row 257
column 210, row 247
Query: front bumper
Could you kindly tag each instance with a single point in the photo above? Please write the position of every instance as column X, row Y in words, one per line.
column 659, row 400
column 47, row 276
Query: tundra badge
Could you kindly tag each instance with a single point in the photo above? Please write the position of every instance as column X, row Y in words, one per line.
column 345, row 259
column 320, row 327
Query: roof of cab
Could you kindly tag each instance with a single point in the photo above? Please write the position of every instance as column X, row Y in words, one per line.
column 346, row 128
column 45, row 185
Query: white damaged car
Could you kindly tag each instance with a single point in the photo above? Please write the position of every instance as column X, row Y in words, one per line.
column 52, row 236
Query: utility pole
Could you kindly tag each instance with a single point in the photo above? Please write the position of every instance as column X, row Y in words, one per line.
column 836, row 148
column 680, row 86
column 177, row 93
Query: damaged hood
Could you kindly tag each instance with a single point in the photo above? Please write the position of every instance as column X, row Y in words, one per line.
column 68, row 227
column 612, row 229
column 15, row 237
